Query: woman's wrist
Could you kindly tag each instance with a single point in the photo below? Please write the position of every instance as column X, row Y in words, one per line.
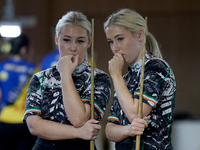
column 126, row 131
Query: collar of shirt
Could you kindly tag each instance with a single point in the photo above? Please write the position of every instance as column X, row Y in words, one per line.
column 138, row 64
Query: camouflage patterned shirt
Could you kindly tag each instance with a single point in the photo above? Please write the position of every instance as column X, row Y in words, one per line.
column 44, row 96
column 159, row 92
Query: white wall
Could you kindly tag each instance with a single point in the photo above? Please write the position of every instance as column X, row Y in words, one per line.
column 186, row 135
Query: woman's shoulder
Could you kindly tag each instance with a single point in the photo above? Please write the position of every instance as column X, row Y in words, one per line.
column 156, row 63
column 46, row 76
column 98, row 71
column 159, row 66
column 45, row 72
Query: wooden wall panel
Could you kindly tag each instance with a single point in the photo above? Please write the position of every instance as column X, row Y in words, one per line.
column 175, row 25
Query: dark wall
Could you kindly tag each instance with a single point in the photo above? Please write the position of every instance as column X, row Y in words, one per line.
column 175, row 24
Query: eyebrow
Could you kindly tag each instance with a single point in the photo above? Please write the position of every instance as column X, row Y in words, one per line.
column 116, row 36
column 70, row 36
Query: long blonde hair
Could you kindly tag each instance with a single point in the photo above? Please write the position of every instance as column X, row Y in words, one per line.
column 133, row 22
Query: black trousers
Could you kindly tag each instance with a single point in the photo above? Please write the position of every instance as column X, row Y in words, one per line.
column 15, row 137
column 126, row 144
column 74, row 144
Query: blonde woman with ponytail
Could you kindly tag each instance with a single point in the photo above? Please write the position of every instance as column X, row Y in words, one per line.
column 125, row 34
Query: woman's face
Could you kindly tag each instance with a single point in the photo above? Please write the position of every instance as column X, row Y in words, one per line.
column 124, row 42
column 73, row 40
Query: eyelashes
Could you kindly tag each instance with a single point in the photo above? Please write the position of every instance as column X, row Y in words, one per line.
column 110, row 42
column 118, row 39
column 77, row 42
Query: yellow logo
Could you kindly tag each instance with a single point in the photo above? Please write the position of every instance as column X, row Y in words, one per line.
column 6, row 47
column 53, row 63
column 3, row 75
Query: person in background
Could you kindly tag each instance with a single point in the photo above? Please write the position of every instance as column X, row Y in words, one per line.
column 50, row 60
column 125, row 33
column 58, row 100
column 15, row 74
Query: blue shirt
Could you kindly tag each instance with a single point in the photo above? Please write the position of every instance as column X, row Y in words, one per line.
column 50, row 60
column 14, row 76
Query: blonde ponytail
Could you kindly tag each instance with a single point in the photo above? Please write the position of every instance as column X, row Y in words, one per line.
column 152, row 45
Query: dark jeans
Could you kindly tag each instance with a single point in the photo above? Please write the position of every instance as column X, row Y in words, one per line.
column 15, row 137
column 74, row 144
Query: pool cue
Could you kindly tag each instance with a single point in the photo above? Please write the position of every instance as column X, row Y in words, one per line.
column 137, row 147
column 92, row 81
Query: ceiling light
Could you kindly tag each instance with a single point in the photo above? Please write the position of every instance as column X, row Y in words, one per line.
column 10, row 29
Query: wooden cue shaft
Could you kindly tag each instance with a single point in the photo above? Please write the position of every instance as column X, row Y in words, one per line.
column 92, row 81
column 137, row 147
